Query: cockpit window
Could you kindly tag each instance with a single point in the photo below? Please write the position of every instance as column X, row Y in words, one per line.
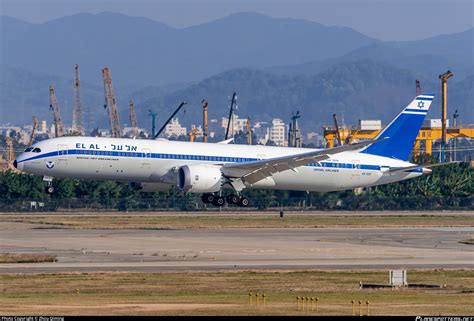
column 36, row 150
column 29, row 149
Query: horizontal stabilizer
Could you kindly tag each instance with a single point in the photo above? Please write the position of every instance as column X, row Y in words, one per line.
column 424, row 167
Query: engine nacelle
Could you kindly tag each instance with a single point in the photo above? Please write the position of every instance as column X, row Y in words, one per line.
column 150, row 187
column 199, row 178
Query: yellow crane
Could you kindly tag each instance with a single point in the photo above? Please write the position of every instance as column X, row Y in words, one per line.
column 133, row 119
column 425, row 136
column 111, row 104
column 204, row 123
column 338, row 131
column 54, row 106
column 9, row 154
column 33, row 130
column 444, row 93
column 192, row 134
column 249, row 131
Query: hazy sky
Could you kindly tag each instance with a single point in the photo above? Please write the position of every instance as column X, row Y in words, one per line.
column 382, row 19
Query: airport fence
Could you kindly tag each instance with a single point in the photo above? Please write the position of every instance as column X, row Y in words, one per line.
column 309, row 203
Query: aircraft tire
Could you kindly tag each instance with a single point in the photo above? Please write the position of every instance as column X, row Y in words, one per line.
column 244, row 202
column 232, row 199
column 218, row 201
column 207, row 198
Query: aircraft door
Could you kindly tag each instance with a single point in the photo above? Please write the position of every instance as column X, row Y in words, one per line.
column 62, row 155
column 356, row 171
column 146, row 158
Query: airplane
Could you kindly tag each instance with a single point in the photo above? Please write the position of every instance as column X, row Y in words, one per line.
column 211, row 168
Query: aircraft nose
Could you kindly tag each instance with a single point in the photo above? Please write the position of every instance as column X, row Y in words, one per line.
column 18, row 165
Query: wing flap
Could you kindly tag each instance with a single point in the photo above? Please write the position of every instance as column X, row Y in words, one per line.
column 252, row 172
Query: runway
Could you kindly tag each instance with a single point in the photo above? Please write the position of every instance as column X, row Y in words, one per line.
column 138, row 250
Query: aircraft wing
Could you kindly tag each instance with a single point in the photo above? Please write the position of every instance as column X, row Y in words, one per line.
column 252, row 172
column 425, row 167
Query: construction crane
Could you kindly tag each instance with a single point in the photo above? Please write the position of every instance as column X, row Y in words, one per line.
column 444, row 87
column 77, row 126
column 426, row 136
column 133, row 119
column 193, row 133
column 9, row 153
column 169, row 119
column 33, row 131
column 249, row 131
column 111, row 104
column 338, row 131
column 54, row 106
column 153, row 122
column 204, row 122
column 418, row 87
column 294, row 139
column 231, row 111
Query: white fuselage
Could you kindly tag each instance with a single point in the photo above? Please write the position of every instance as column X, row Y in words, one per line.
column 154, row 161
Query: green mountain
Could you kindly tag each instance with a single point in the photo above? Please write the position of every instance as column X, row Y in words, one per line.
column 144, row 52
column 356, row 90
column 24, row 93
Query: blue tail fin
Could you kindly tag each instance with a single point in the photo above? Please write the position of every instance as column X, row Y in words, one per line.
column 402, row 131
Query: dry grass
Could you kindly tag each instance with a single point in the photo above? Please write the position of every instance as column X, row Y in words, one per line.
column 244, row 220
column 25, row 258
column 226, row 293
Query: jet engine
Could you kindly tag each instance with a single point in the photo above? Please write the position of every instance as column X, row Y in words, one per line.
column 199, row 178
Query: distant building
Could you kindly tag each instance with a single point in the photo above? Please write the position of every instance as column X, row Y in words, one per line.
column 43, row 128
column 174, row 128
column 277, row 132
column 236, row 124
column 128, row 131
column 434, row 123
column 261, row 131
column 316, row 139
column 366, row 124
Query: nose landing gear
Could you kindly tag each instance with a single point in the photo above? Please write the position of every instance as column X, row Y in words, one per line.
column 49, row 189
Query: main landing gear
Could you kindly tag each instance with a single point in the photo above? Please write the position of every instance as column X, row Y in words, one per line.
column 218, row 200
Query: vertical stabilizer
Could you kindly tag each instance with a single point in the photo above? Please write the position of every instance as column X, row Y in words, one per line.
column 401, row 133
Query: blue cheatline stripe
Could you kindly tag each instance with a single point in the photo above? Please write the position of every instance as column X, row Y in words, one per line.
column 206, row 158
column 51, row 154
column 417, row 110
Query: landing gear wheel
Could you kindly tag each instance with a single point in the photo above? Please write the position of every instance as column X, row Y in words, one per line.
column 244, row 202
column 49, row 189
column 207, row 198
column 218, row 201
column 232, row 199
